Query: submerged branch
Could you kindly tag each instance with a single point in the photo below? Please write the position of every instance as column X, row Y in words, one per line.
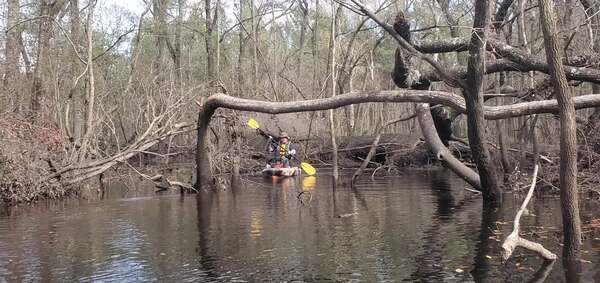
column 514, row 240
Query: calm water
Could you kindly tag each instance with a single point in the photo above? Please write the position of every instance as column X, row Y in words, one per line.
column 421, row 226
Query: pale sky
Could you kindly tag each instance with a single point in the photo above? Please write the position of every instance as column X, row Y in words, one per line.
column 134, row 6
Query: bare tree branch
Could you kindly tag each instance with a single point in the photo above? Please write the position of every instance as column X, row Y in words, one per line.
column 514, row 240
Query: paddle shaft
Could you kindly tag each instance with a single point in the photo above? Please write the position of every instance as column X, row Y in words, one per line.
column 262, row 132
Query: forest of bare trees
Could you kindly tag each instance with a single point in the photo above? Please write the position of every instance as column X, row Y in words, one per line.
column 514, row 84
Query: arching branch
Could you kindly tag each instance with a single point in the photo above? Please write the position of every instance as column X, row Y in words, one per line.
column 396, row 96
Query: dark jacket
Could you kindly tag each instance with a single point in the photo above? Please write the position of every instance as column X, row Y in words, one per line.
column 282, row 154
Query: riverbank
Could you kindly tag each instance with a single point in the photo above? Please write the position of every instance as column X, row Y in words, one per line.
column 30, row 153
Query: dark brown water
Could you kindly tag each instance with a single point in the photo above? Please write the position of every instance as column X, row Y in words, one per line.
column 421, row 226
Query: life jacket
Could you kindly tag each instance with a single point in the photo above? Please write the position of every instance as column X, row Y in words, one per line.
column 282, row 148
column 281, row 151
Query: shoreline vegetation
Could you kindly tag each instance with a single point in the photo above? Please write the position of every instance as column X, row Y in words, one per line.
column 29, row 153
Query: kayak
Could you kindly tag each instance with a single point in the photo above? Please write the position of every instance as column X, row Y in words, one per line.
column 280, row 172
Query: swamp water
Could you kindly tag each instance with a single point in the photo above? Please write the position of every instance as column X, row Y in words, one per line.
column 419, row 226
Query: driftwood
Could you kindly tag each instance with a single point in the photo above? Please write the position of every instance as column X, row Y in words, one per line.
column 346, row 215
column 514, row 240
column 162, row 183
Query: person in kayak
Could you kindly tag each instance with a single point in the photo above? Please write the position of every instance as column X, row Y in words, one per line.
column 283, row 151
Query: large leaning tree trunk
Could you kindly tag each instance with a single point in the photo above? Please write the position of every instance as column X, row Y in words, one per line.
column 474, row 101
column 211, row 104
column 406, row 75
column 441, row 151
column 568, row 135
column 436, row 124
column 472, row 87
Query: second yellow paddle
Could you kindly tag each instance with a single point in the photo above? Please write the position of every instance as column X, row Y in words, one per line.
column 307, row 168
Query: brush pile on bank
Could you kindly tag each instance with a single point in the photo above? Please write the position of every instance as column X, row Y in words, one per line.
column 588, row 165
column 588, row 162
column 26, row 154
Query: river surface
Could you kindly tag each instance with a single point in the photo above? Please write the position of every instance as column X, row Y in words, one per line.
column 419, row 226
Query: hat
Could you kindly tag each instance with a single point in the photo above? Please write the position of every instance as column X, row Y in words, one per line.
column 284, row 135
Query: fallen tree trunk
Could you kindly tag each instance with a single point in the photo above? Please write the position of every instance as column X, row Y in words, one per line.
column 394, row 96
column 357, row 148
column 219, row 100
column 163, row 184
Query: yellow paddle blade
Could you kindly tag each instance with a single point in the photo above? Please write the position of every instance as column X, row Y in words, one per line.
column 253, row 124
column 308, row 169
column 309, row 183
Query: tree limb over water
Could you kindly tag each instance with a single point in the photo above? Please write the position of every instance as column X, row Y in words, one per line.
column 395, row 96
column 220, row 100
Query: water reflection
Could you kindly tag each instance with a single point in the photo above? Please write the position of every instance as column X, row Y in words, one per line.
column 430, row 263
column 309, row 183
column 487, row 244
column 421, row 226
column 542, row 274
column 442, row 189
column 205, row 201
column 573, row 270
